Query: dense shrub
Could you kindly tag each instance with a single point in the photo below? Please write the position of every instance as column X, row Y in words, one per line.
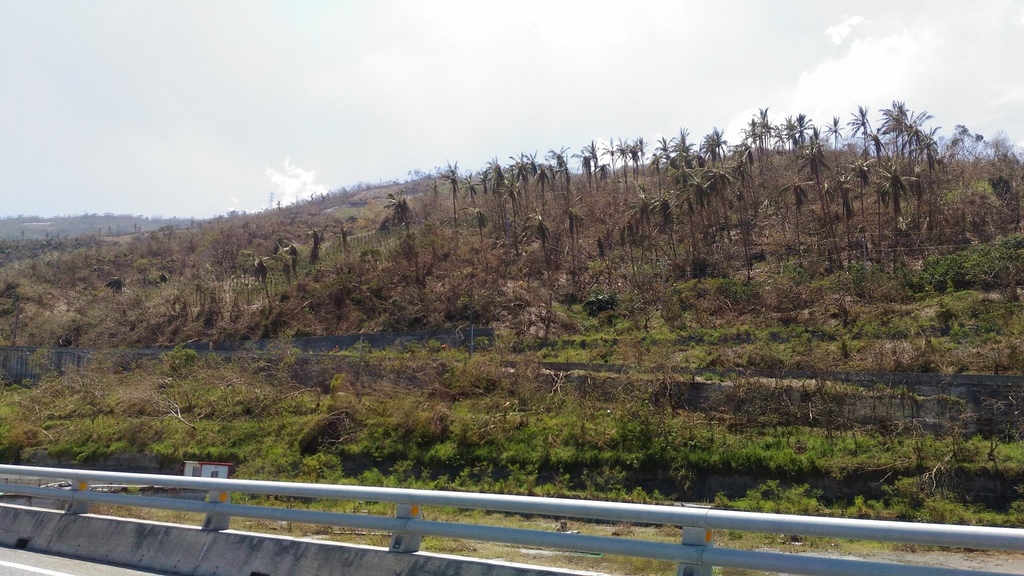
column 600, row 301
column 986, row 266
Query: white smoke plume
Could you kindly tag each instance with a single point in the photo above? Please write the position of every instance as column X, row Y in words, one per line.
column 294, row 184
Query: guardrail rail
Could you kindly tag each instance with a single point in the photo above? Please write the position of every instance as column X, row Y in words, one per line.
column 695, row 551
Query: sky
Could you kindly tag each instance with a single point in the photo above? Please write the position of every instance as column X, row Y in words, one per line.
column 197, row 108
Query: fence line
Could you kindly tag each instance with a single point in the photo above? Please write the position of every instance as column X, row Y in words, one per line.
column 19, row 364
column 26, row 363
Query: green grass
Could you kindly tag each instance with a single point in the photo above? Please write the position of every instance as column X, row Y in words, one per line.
column 437, row 419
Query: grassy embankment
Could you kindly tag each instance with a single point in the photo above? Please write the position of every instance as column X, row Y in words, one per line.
column 435, row 419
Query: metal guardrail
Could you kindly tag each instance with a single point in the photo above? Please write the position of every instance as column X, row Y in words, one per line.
column 695, row 553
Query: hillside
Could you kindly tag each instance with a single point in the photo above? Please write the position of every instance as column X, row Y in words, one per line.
column 892, row 249
column 888, row 250
column 881, row 247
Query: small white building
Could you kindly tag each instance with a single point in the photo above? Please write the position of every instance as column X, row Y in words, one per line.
column 206, row 469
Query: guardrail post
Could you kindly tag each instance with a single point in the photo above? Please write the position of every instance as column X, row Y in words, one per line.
column 696, row 536
column 404, row 541
column 216, row 521
column 78, row 506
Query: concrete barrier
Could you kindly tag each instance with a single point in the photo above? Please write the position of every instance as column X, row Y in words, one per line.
column 186, row 550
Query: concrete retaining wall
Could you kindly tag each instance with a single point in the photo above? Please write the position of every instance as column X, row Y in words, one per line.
column 185, row 550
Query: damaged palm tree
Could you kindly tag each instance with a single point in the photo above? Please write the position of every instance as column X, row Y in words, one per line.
column 259, row 270
column 398, row 206
column 289, row 256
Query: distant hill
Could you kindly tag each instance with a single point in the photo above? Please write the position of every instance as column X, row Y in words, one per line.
column 37, row 228
column 44, row 228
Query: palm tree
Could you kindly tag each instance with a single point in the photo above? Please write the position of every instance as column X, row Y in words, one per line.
column 639, row 154
column 315, row 237
column 751, row 133
column 259, row 270
column 537, row 228
column 803, row 127
column 682, row 150
column 451, row 174
column 640, row 210
column 861, row 172
column 479, row 217
column 588, row 161
column 401, row 212
column 495, row 174
column 741, row 174
column 895, row 123
column 610, row 151
column 664, row 147
column 812, row 160
column 877, row 144
column 718, row 183
column 515, row 198
column 623, row 151
column 799, row 190
column 471, row 189
column 891, row 188
column 543, row 178
column 523, row 169
column 713, row 146
column 289, row 255
column 743, row 153
column 860, row 124
column 485, row 181
column 663, row 151
column 560, row 160
column 812, row 157
column 344, row 239
column 656, row 161
column 575, row 222
column 835, row 131
column 663, row 206
column 788, row 134
column 765, row 130
column 930, row 147
column 690, row 195
column 841, row 183
column 917, row 136
column 697, row 183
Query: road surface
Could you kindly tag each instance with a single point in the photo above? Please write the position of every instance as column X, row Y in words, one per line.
column 23, row 563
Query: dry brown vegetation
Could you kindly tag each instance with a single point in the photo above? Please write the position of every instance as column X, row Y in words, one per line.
column 812, row 232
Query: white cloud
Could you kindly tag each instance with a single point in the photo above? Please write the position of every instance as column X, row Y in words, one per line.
column 294, row 184
column 212, row 94
column 839, row 86
column 839, row 32
column 734, row 128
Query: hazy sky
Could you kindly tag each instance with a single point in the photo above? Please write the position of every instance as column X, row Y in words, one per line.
column 195, row 108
